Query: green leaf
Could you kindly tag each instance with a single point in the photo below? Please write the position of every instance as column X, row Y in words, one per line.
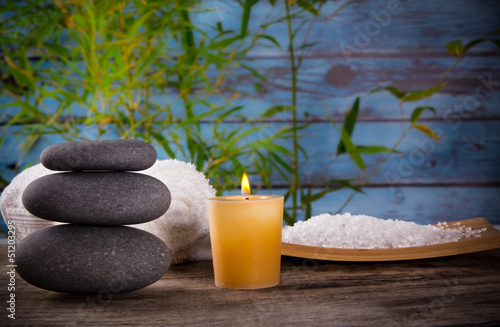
column 223, row 43
column 254, row 72
column 57, row 49
column 271, row 38
column 276, row 109
column 308, row 5
column 418, row 111
column 282, row 162
column 351, row 148
column 351, row 117
column 137, row 23
column 419, row 95
column 426, row 130
column 349, row 122
column 22, row 76
column 394, row 91
column 149, row 59
column 227, row 113
column 270, row 146
column 372, row 149
column 163, row 142
column 472, row 43
column 309, row 198
column 289, row 220
column 455, row 48
column 308, row 45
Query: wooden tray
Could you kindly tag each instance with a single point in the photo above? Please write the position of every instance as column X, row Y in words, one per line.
column 490, row 239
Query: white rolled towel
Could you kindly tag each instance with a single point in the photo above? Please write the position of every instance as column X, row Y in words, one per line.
column 184, row 227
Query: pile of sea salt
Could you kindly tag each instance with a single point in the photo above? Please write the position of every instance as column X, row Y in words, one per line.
column 364, row 232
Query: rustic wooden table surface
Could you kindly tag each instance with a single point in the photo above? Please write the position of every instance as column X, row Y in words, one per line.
column 457, row 290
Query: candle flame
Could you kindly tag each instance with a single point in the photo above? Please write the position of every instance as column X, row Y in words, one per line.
column 245, row 185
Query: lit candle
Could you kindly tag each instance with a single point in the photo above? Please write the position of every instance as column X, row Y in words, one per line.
column 245, row 233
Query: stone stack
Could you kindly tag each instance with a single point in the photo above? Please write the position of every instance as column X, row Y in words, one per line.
column 95, row 194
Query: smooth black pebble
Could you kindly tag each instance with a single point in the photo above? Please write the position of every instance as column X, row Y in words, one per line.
column 97, row 198
column 117, row 155
column 92, row 259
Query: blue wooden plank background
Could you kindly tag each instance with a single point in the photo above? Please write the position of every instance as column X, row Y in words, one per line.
column 448, row 180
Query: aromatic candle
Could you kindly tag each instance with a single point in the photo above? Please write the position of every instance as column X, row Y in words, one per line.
column 245, row 234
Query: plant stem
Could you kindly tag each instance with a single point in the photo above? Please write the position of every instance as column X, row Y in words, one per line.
column 295, row 179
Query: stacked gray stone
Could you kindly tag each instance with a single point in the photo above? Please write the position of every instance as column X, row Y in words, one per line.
column 95, row 193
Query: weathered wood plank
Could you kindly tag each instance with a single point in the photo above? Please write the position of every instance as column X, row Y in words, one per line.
column 323, row 83
column 458, row 290
column 454, row 159
column 409, row 21
column 472, row 90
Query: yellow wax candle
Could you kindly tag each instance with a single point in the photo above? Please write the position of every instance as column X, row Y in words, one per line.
column 245, row 233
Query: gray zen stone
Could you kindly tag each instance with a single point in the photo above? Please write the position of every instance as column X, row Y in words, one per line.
column 92, row 259
column 97, row 198
column 119, row 155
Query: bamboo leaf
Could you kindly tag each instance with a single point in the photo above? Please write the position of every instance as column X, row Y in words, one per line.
column 163, row 142
column 22, row 76
column 289, row 220
column 137, row 23
column 455, row 48
column 349, row 122
column 307, row 5
column 223, row 43
column 353, row 151
column 270, row 146
column 227, row 113
column 394, row 91
column 284, row 175
column 282, row 162
column 426, row 130
column 253, row 71
column 372, row 149
column 472, row 43
column 275, row 110
column 308, row 45
column 419, row 95
column 309, row 198
column 272, row 39
column 149, row 59
column 418, row 111
column 57, row 49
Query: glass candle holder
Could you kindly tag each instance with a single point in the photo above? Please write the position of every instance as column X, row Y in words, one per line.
column 245, row 234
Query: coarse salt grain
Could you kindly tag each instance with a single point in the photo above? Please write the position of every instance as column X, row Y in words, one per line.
column 364, row 232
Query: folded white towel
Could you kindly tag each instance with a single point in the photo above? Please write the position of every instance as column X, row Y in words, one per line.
column 184, row 227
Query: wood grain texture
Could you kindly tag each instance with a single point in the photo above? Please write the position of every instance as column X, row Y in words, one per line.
column 459, row 290
column 489, row 239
